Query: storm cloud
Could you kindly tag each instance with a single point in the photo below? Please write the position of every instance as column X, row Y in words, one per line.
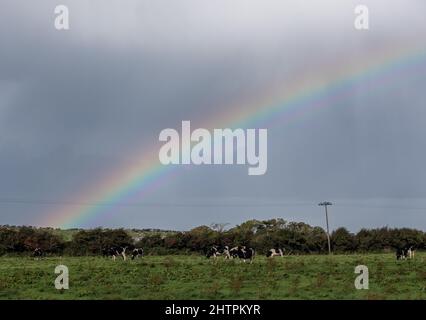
column 77, row 105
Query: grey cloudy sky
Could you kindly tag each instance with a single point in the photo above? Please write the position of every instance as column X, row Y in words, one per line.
column 76, row 105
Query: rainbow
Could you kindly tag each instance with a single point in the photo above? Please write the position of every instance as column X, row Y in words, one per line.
column 146, row 174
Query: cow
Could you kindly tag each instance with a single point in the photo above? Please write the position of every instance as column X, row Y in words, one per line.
column 400, row 254
column 114, row 252
column 243, row 253
column 216, row 251
column 275, row 252
column 406, row 252
column 38, row 253
column 136, row 253
column 410, row 252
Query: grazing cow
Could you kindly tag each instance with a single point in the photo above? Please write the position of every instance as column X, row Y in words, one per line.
column 410, row 252
column 275, row 252
column 136, row 253
column 114, row 252
column 234, row 252
column 402, row 253
column 242, row 252
column 38, row 253
column 216, row 251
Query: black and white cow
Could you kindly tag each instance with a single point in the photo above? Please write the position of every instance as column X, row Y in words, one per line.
column 38, row 253
column 136, row 253
column 114, row 252
column 243, row 253
column 401, row 253
column 406, row 252
column 216, row 251
column 275, row 252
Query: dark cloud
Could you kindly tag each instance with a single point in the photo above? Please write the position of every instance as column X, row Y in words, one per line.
column 76, row 105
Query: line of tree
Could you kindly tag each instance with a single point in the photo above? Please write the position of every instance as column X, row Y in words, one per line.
column 294, row 237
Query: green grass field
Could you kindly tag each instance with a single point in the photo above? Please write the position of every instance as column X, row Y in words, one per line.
column 195, row 277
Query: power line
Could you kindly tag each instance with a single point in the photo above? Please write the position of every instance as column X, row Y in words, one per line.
column 148, row 204
column 183, row 204
column 380, row 206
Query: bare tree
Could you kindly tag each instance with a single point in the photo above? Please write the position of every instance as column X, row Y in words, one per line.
column 219, row 227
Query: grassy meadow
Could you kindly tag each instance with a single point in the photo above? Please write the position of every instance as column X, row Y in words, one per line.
column 195, row 277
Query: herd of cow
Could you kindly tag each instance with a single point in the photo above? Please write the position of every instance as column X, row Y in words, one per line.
column 239, row 252
column 113, row 252
column 117, row 251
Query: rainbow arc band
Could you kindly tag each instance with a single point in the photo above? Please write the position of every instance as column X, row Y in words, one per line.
column 148, row 173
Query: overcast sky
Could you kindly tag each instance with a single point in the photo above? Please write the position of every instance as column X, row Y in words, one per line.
column 76, row 105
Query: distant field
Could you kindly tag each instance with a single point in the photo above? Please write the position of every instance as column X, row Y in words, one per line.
column 195, row 277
